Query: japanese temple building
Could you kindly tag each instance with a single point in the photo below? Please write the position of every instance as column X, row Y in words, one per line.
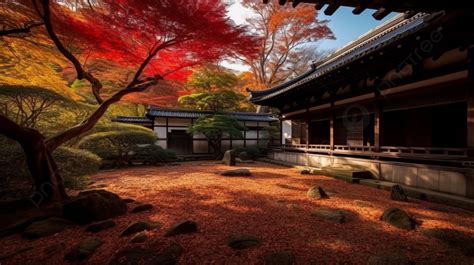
column 171, row 127
column 398, row 101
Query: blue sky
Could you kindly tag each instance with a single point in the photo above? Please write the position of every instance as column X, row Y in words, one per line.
column 345, row 26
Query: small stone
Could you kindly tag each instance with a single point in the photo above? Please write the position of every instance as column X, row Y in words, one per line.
column 182, row 227
column 317, row 192
column 229, row 158
column 84, row 249
column 128, row 200
column 398, row 193
column 54, row 249
column 305, row 172
column 136, row 227
column 141, row 207
column 99, row 226
column 170, row 254
column 139, row 237
column 362, row 204
column 45, row 228
column 242, row 241
column 241, row 172
column 399, row 218
column 279, row 258
column 329, row 214
column 389, row 259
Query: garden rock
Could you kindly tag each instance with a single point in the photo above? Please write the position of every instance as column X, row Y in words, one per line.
column 139, row 237
column 182, row 227
column 279, row 258
column 94, row 205
column 99, row 226
column 453, row 238
column 15, row 252
column 229, row 158
column 45, row 228
column 398, row 193
column 138, row 226
column 399, row 218
column 140, row 207
column 241, row 172
column 84, row 249
column 240, row 161
column 337, row 216
column 242, row 241
column 52, row 250
column 317, row 193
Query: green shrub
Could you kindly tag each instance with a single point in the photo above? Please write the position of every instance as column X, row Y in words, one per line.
column 75, row 166
column 252, row 151
column 152, row 154
column 116, row 145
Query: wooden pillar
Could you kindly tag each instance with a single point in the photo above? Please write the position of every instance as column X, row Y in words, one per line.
column 258, row 134
column 166, row 133
column 377, row 127
column 245, row 136
column 470, row 119
column 281, row 132
column 307, row 128
column 331, row 130
column 470, row 105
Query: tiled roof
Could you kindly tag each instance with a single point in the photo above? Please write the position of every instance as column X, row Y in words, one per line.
column 190, row 114
column 368, row 43
column 133, row 119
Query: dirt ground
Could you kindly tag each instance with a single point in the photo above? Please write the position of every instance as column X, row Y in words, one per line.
column 272, row 205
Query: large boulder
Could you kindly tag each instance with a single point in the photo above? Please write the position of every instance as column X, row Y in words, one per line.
column 147, row 256
column 139, row 226
column 140, row 207
column 101, row 225
column 399, row 218
column 182, row 227
column 241, row 172
column 453, row 238
column 279, row 258
column 337, row 216
column 242, row 241
column 94, row 205
column 229, row 158
column 84, row 249
column 317, row 193
column 139, row 237
column 44, row 228
column 398, row 193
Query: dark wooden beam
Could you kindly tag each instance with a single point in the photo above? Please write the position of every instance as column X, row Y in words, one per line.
column 359, row 9
column 319, row 5
column 381, row 13
column 332, row 8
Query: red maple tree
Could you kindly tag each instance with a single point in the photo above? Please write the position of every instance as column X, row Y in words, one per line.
column 159, row 39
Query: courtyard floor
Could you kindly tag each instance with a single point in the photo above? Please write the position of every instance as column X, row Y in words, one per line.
column 272, row 205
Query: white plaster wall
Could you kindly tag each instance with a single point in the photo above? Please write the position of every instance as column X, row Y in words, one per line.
column 200, row 147
column 160, row 132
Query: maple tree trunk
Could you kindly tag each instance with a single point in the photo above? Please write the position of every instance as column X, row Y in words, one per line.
column 44, row 171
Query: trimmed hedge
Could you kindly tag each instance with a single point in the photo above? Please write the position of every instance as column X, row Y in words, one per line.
column 75, row 166
column 116, row 145
column 152, row 154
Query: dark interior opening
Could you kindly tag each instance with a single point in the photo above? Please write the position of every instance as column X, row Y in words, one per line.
column 319, row 132
column 436, row 126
